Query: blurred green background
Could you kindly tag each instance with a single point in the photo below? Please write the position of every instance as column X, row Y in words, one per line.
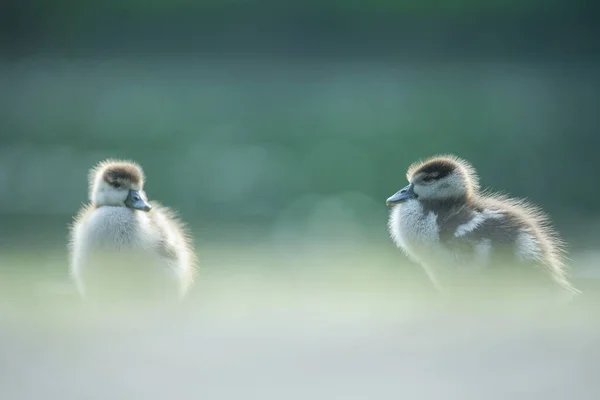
column 276, row 124
column 277, row 130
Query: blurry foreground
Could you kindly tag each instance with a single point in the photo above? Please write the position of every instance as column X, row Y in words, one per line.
column 274, row 324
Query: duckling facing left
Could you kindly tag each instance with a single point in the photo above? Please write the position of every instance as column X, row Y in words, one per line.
column 442, row 221
column 122, row 246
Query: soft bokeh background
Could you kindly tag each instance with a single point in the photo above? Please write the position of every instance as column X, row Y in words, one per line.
column 277, row 130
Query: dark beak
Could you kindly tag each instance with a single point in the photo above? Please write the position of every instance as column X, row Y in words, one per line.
column 402, row 195
column 136, row 200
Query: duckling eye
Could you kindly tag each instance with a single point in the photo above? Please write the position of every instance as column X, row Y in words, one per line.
column 116, row 185
column 428, row 179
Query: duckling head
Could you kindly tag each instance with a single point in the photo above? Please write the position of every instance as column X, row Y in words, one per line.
column 118, row 184
column 439, row 178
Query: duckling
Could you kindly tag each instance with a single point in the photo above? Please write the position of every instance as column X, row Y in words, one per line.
column 123, row 246
column 444, row 222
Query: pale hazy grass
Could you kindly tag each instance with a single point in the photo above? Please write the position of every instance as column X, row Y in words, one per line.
column 271, row 323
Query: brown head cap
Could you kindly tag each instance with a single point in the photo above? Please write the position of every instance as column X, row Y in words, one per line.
column 121, row 172
column 444, row 165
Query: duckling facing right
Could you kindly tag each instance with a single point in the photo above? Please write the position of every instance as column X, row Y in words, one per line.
column 442, row 221
column 125, row 248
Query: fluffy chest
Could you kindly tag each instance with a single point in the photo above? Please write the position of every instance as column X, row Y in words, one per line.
column 118, row 227
column 438, row 238
column 410, row 225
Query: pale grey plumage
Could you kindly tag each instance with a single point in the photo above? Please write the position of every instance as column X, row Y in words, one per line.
column 123, row 248
column 442, row 221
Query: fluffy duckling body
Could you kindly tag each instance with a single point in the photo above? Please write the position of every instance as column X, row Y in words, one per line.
column 458, row 234
column 124, row 247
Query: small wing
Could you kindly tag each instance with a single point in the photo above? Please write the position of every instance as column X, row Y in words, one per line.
column 175, row 243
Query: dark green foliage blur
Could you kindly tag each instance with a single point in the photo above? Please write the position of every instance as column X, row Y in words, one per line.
column 294, row 122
